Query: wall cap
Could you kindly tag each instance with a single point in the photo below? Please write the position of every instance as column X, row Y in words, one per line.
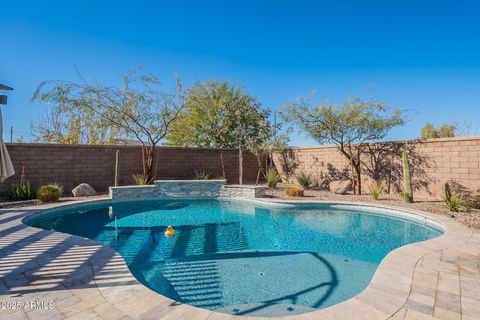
column 111, row 146
column 466, row 138
column 190, row 181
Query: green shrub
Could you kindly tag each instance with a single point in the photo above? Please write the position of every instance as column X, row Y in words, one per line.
column 272, row 178
column 21, row 191
column 295, row 191
column 140, row 179
column 304, row 179
column 50, row 192
column 453, row 200
column 201, row 175
column 470, row 199
column 473, row 202
column 376, row 189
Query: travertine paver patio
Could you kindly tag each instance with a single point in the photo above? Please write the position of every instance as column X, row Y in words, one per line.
column 436, row 279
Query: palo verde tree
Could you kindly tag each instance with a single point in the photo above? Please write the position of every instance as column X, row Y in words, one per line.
column 350, row 126
column 138, row 109
column 220, row 115
column 443, row 131
column 66, row 124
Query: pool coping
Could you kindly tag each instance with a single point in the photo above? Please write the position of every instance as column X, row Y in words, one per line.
column 381, row 299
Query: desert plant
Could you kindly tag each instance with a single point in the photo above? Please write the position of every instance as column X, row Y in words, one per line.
column 22, row 190
column 272, row 178
column 473, row 202
column 304, row 179
column 407, row 194
column 140, row 179
column 453, row 200
column 294, row 191
column 201, row 175
column 50, row 192
column 376, row 189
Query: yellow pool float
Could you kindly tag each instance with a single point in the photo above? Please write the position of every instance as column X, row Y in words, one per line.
column 170, row 232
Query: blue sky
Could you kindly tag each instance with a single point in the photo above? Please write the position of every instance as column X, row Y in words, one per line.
column 421, row 56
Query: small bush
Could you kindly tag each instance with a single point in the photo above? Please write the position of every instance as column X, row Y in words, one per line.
column 295, row 191
column 473, row 202
column 140, row 179
column 453, row 200
column 201, row 175
column 50, row 192
column 21, row 191
column 272, row 178
column 376, row 189
column 304, row 179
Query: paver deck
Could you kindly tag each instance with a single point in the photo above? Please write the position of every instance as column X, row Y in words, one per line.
column 435, row 279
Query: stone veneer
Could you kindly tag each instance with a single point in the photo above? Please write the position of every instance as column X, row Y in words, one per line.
column 245, row 191
column 171, row 189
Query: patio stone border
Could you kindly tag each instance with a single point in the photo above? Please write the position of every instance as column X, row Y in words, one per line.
column 434, row 279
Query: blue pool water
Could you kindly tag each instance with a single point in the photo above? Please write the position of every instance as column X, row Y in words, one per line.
column 244, row 258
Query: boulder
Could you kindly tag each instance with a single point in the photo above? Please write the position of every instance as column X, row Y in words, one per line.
column 340, row 186
column 83, row 190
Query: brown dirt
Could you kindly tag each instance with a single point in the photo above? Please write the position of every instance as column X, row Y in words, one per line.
column 470, row 218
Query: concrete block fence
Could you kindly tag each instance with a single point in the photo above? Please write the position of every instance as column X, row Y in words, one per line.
column 433, row 162
column 71, row 165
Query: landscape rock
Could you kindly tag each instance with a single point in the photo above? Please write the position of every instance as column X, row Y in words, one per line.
column 83, row 190
column 340, row 186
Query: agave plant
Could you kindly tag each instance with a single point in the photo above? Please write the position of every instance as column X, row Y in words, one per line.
column 140, row 179
column 272, row 178
column 304, row 179
column 453, row 200
column 376, row 189
column 22, row 190
column 201, row 175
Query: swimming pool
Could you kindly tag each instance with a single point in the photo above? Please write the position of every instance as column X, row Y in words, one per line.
column 242, row 257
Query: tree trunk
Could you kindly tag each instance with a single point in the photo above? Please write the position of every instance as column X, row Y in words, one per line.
column 352, row 169
column 359, row 170
column 224, row 176
column 240, row 166
column 148, row 154
column 359, row 178
column 259, row 162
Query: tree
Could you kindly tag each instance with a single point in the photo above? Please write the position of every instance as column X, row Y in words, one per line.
column 350, row 127
column 428, row 132
column 443, row 131
column 66, row 125
column 219, row 115
column 137, row 109
column 446, row 131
